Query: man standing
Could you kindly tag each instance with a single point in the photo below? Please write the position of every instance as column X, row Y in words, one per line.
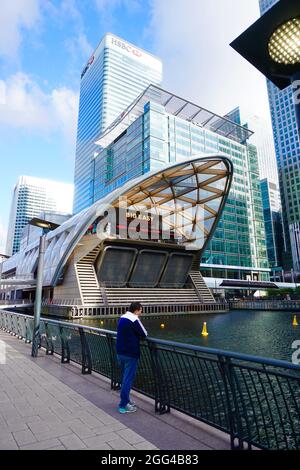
column 130, row 331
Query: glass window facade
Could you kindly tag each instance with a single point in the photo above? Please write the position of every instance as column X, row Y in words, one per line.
column 287, row 147
column 31, row 197
column 273, row 222
column 157, row 138
column 115, row 75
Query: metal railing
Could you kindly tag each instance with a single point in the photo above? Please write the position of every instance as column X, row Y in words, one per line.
column 63, row 302
column 293, row 305
column 15, row 302
column 140, row 285
column 255, row 400
column 115, row 310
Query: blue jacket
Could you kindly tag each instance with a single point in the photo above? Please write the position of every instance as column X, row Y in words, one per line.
column 130, row 331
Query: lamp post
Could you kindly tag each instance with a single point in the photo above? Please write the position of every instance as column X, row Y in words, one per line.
column 46, row 227
column 2, row 258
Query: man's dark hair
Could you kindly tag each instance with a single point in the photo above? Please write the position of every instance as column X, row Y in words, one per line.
column 135, row 306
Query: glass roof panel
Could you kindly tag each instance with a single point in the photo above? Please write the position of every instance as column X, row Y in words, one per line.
column 214, row 203
column 209, row 223
column 219, row 184
column 178, row 107
column 205, row 194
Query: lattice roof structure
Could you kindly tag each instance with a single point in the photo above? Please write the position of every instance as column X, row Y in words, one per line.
column 189, row 197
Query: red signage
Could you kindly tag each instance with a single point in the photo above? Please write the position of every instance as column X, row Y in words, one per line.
column 126, row 47
column 91, row 60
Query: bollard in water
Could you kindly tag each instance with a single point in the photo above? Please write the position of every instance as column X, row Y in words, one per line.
column 204, row 330
column 295, row 322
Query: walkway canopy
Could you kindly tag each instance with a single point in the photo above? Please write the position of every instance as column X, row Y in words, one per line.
column 188, row 198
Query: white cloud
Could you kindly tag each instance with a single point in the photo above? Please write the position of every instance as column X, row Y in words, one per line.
column 77, row 44
column 79, row 49
column 192, row 38
column 28, row 107
column 15, row 16
column 64, row 103
column 106, row 9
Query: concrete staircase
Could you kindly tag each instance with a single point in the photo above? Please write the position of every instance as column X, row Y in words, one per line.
column 94, row 294
column 89, row 287
column 204, row 293
column 156, row 296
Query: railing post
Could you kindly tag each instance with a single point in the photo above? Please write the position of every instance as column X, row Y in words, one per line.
column 228, row 392
column 115, row 379
column 65, row 350
column 49, row 342
column 162, row 395
column 232, row 394
column 86, row 353
column 27, row 338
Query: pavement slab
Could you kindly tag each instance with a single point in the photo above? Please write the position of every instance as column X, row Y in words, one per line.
column 48, row 405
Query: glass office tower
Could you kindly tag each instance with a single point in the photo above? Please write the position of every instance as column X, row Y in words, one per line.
column 114, row 76
column 273, row 223
column 162, row 128
column 287, row 147
column 32, row 196
column 262, row 139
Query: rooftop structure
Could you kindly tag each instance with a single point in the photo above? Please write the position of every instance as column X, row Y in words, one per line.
column 175, row 106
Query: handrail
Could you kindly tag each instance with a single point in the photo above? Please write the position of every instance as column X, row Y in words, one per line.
column 176, row 344
column 255, row 400
column 268, row 304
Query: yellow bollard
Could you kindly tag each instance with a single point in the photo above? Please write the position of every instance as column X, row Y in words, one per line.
column 102, row 322
column 162, row 325
column 295, row 323
column 204, row 330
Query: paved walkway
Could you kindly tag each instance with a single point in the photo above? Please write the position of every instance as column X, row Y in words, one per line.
column 47, row 405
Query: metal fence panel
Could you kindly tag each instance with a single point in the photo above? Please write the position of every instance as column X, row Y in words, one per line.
column 255, row 400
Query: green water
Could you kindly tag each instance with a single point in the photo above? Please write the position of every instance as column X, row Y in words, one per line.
column 261, row 333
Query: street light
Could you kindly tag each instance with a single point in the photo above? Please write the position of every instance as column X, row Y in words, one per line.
column 272, row 45
column 46, row 226
column 2, row 258
column 284, row 44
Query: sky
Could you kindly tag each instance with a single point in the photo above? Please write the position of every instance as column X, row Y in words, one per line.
column 44, row 45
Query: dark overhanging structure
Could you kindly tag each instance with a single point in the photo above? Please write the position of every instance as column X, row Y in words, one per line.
column 272, row 45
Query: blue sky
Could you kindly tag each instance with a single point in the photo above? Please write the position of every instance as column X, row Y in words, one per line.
column 45, row 43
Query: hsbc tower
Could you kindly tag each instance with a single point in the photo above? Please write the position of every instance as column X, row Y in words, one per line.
column 115, row 74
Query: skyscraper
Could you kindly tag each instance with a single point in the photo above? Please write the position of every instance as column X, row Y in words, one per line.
column 273, row 222
column 114, row 76
column 287, row 148
column 262, row 139
column 31, row 196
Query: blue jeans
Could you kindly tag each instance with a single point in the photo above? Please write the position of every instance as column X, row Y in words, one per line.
column 128, row 367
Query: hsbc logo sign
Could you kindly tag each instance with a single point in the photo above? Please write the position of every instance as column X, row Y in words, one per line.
column 126, row 47
column 91, row 60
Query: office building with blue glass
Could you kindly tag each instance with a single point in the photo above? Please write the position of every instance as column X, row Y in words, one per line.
column 273, row 223
column 287, row 147
column 116, row 73
column 160, row 128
